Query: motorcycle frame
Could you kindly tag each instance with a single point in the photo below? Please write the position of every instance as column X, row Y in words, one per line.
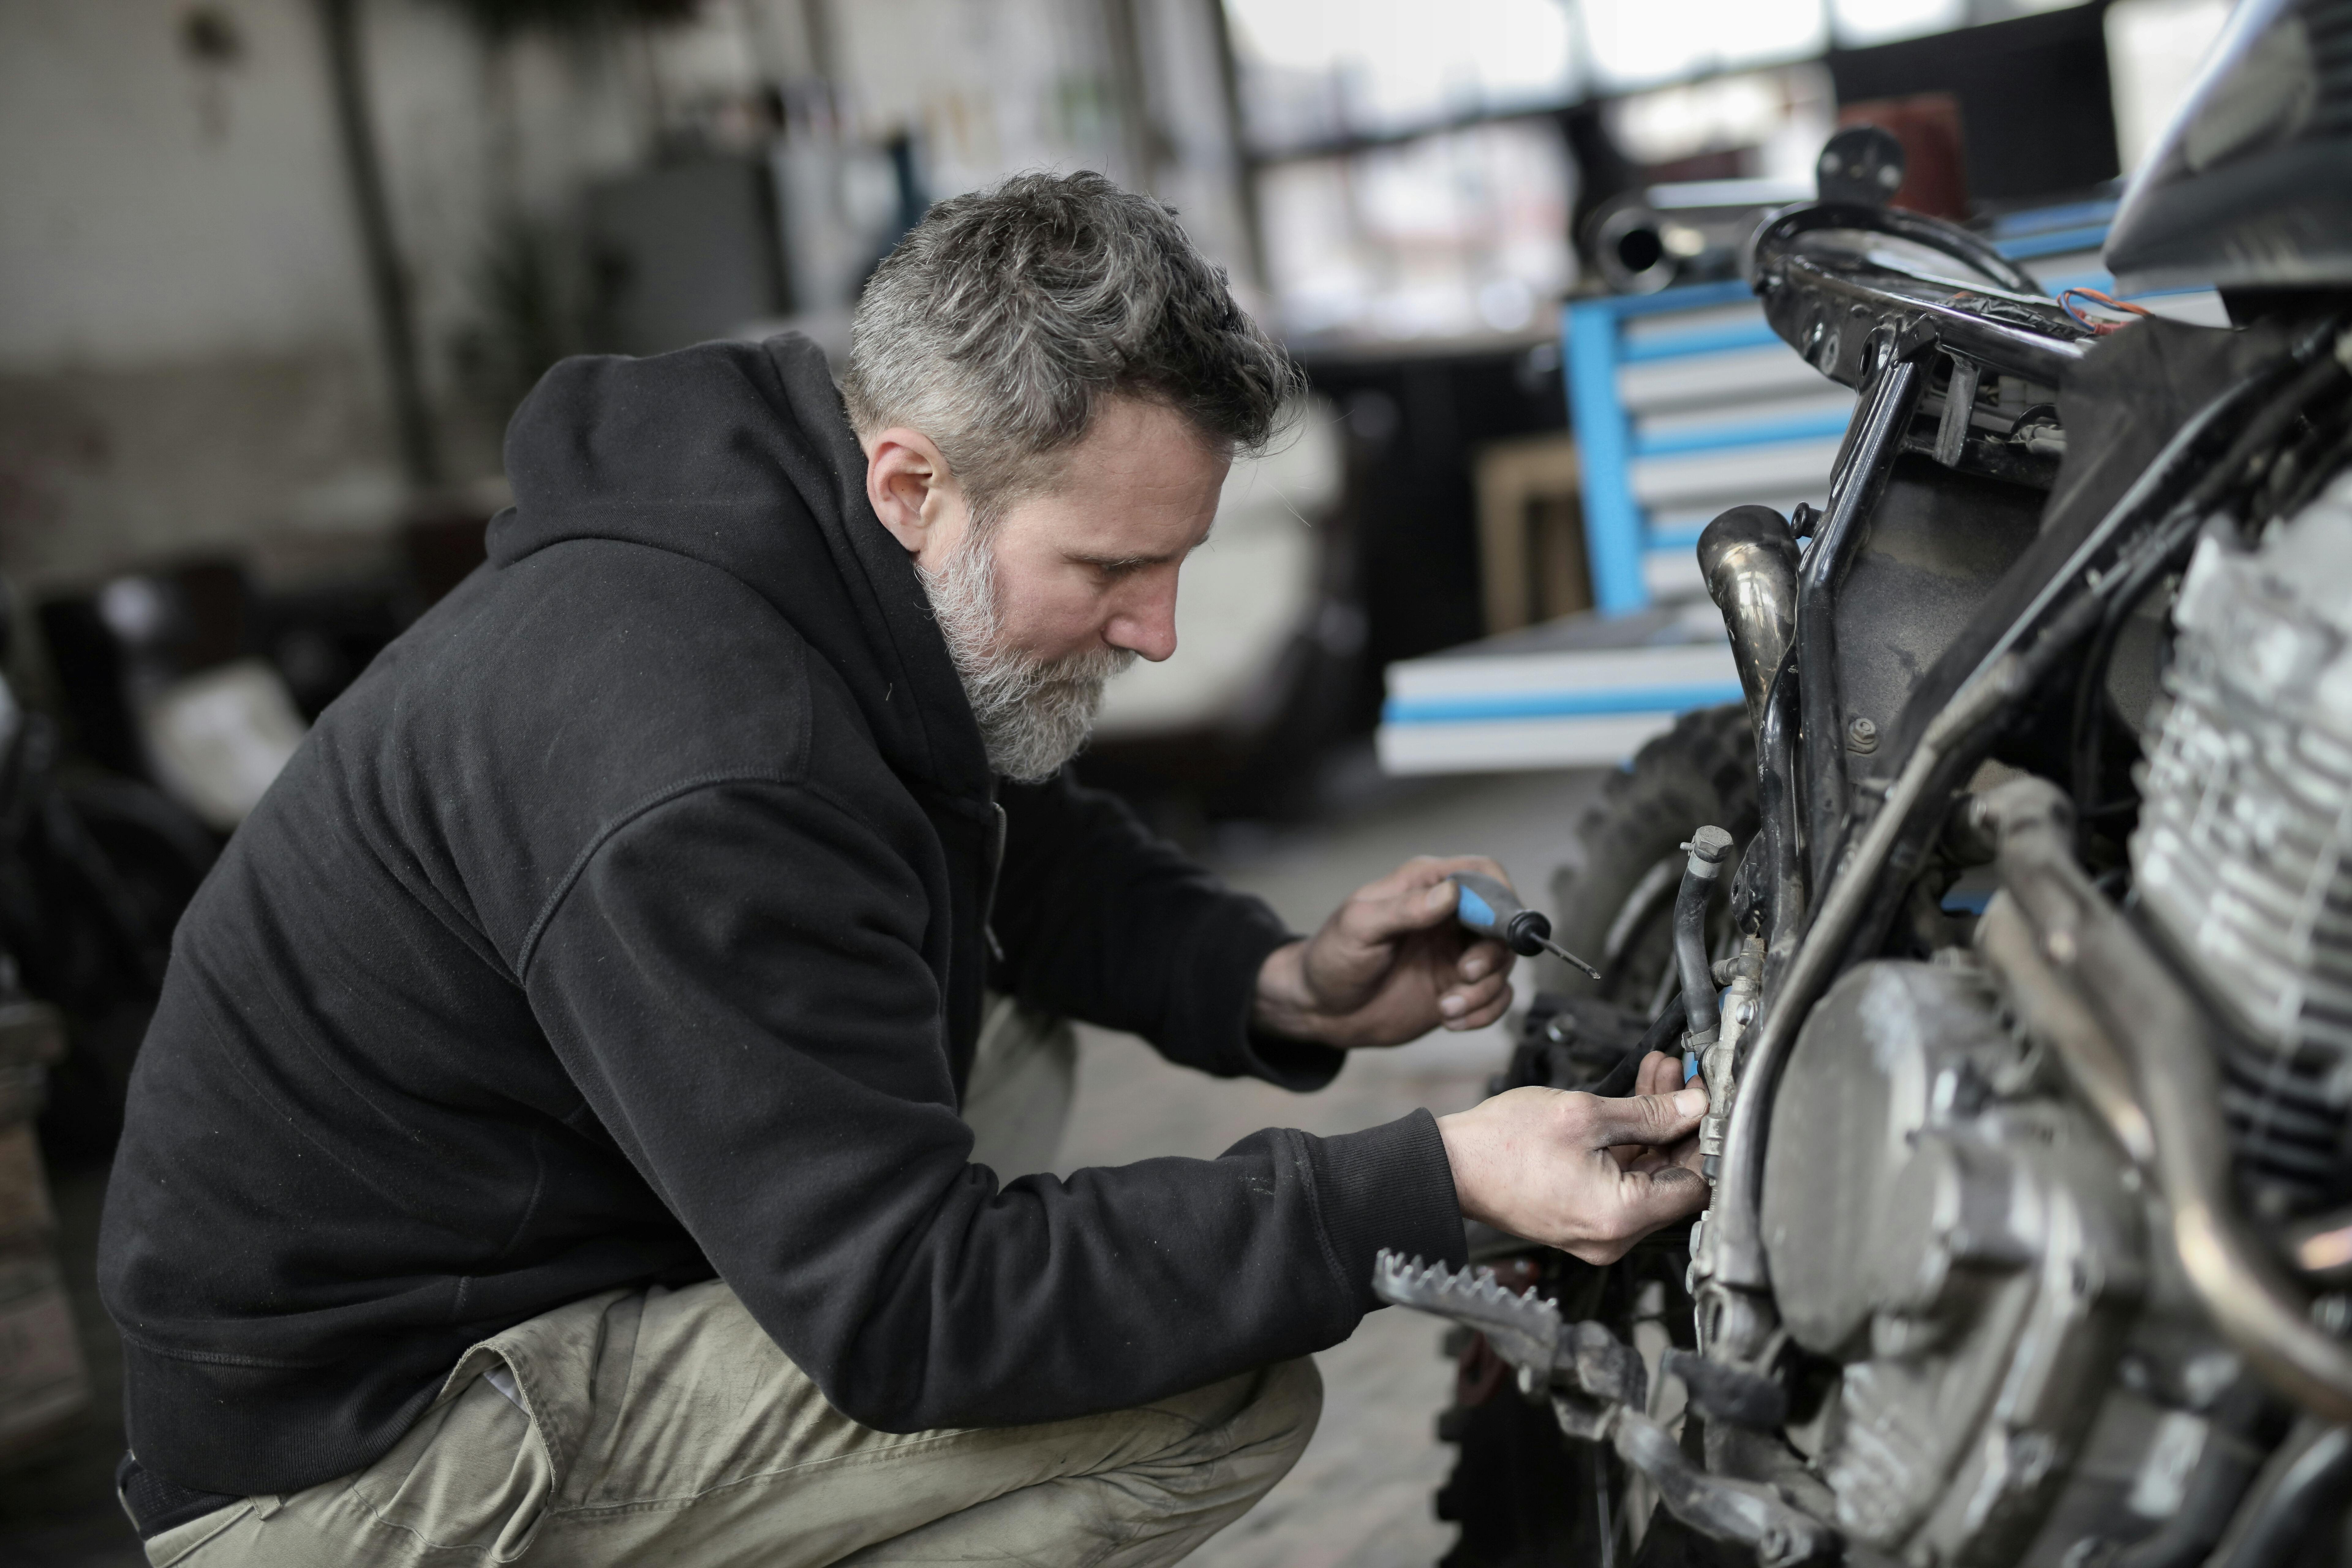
column 2137, row 1023
column 2006, row 331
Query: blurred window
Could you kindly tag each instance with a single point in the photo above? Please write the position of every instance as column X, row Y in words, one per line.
column 1636, row 43
column 1860, row 22
column 1412, row 178
column 2154, row 50
column 1458, row 234
column 1319, row 71
column 1773, row 121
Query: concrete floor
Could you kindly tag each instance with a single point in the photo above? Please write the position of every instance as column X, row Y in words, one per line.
column 1360, row 1498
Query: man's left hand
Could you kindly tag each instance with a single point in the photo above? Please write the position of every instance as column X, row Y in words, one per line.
column 1389, row 965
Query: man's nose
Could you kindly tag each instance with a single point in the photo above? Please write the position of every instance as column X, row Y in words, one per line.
column 1147, row 623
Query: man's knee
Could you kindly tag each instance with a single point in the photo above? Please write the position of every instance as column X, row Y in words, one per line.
column 1272, row 1424
column 1293, row 1395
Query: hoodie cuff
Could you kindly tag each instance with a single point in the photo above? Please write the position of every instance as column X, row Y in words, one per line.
column 1389, row 1186
column 1300, row 1065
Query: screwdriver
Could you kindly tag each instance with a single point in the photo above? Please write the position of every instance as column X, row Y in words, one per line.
column 1490, row 909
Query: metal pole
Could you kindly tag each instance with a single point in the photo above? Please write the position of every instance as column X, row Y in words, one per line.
column 1143, row 146
column 1874, row 441
column 338, row 22
column 1245, row 168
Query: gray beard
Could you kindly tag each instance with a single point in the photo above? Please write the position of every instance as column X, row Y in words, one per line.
column 1034, row 714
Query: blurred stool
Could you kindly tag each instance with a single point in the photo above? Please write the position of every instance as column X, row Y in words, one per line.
column 1531, row 533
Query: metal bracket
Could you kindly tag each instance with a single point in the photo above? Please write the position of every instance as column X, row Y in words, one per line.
column 1726, row 1393
column 1746, row 1512
column 1959, row 402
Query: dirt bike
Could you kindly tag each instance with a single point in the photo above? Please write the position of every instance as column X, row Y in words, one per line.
column 2030, row 1229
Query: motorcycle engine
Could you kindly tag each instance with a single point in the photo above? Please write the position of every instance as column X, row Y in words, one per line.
column 1972, row 1261
column 2244, row 857
column 2014, row 1372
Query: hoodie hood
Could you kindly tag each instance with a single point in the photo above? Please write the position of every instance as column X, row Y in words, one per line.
column 741, row 455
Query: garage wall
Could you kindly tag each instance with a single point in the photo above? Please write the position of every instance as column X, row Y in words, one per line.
column 189, row 358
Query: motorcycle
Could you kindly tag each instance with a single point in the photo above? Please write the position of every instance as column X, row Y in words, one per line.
column 2008, row 919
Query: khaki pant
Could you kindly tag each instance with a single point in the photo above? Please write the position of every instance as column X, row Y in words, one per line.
column 661, row 1427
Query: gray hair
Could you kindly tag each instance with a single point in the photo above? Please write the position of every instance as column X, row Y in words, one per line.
column 1005, row 318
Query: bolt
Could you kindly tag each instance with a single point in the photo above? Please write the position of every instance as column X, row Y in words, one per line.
column 1709, row 843
column 1862, row 735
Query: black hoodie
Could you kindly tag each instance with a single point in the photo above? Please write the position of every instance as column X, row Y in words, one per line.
column 626, row 921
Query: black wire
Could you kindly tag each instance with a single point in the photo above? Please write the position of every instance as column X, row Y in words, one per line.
column 2333, row 442
column 1668, row 1026
column 2090, row 725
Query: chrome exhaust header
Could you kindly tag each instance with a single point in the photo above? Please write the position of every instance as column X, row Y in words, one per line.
column 1749, row 559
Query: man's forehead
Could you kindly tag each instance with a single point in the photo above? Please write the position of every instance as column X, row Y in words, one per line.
column 1149, row 441
column 1119, row 538
column 1141, row 488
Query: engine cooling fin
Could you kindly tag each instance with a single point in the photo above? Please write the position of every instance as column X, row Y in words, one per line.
column 2243, row 854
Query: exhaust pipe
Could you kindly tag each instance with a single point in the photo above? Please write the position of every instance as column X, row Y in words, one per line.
column 1749, row 559
column 2119, row 988
column 1692, row 231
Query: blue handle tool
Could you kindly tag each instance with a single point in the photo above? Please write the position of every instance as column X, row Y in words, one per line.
column 1490, row 909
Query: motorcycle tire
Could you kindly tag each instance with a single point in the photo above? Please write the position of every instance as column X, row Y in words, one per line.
column 1514, row 1489
column 1614, row 899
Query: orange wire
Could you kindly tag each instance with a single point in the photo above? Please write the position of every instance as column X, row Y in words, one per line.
column 2110, row 301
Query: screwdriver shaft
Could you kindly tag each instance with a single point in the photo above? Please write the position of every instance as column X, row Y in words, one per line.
column 1491, row 908
column 1564, row 955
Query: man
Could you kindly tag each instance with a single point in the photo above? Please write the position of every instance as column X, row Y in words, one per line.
column 548, row 1146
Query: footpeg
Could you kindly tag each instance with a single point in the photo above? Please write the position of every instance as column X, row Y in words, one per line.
column 1524, row 1329
column 1599, row 1391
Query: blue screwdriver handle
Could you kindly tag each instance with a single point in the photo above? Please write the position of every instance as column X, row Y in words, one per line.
column 1485, row 906
column 1488, row 907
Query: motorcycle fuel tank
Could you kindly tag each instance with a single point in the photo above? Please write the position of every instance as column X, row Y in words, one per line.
column 2250, row 186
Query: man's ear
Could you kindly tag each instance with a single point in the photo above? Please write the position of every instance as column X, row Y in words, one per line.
column 909, row 485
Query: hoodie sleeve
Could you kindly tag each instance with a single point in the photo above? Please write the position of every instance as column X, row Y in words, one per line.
column 769, row 1057
column 1102, row 921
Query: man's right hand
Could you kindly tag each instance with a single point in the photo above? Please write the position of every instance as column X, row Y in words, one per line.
column 1588, row 1176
